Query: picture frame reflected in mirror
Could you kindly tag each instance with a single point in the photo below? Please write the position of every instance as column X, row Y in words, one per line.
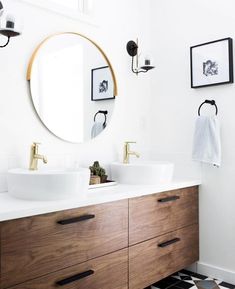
column 101, row 84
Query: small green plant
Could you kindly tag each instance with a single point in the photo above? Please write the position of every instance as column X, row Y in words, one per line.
column 97, row 170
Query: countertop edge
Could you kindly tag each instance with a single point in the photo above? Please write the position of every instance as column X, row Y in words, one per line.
column 12, row 208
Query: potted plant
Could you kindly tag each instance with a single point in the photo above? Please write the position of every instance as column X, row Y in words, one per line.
column 97, row 170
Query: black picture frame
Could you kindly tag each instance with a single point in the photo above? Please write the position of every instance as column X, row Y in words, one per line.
column 204, row 70
column 102, row 86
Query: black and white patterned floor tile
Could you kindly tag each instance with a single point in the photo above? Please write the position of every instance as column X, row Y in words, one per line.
column 189, row 280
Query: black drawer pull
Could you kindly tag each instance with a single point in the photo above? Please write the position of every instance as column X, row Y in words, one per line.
column 76, row 219
column 168, row 243
column 168, row 199
column 75, row 278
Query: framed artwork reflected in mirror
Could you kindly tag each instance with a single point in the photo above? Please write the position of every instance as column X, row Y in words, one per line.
column 101, row 84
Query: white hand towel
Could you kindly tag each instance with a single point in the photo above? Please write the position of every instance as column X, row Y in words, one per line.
column 206, row 143
column 97, row 128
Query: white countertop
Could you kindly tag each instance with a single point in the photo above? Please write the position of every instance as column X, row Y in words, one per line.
column 12, row 208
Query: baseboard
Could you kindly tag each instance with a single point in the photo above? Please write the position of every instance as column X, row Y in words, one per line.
column 192, row 268
column 213, row 272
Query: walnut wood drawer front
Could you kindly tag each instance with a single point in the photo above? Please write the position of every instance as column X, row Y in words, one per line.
column 157, row 258
column 157, row 214
column 35, row 246
column 107, row 272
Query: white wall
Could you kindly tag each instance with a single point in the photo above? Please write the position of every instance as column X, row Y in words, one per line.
column 118, row 22
column 177, row 25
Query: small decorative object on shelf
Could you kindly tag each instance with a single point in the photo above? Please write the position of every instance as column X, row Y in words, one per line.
column 97, row 170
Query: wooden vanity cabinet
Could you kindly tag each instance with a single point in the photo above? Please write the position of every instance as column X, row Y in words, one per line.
column 163, row 235
column 153, row 215
column 106, row 272
column 35, row 246
column 127, row 244
column 155, row 259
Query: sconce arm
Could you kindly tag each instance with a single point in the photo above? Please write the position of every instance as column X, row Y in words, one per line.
column 144, row 71
column 136, row 70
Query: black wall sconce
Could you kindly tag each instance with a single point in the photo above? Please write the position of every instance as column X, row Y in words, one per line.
column 8, row 28
column 132, row 49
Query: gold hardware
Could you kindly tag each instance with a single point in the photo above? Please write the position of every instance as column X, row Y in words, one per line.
column 29, row 71
column 128, row 152
column 34, row 157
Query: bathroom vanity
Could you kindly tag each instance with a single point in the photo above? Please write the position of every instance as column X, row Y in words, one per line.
column 125, row 237
column 126, row 241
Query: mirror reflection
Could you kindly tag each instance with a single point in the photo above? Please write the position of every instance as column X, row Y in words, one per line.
column 73, row 86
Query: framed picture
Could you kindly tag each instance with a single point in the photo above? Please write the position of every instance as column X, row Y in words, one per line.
column 212, row 63
column 102, row 87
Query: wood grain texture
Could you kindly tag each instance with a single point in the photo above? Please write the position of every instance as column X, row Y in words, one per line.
column 149, row 263
column 110, row 272
column 35, row 246
column 149, row 218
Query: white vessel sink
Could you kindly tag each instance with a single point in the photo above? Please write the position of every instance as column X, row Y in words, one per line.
column 143, row 173
column 47, row 184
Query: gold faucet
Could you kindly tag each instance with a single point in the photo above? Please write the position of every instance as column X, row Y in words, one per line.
column 128, row 152
column 34, row 157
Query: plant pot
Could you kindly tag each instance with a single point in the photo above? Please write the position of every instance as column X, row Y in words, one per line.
column 94, row 180
column 103, row 179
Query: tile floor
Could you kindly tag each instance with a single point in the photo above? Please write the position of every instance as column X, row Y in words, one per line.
column 189, row 280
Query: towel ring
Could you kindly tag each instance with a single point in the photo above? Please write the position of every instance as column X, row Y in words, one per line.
column 104, row 112
column 212, row 102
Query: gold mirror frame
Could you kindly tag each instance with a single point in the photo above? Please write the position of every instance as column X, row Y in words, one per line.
column 29, row 70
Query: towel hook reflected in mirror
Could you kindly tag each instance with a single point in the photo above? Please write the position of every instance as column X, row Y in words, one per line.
column 212, row 102
column 104, row 112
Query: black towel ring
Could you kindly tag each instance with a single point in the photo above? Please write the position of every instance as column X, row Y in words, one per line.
column 212, row 102
column 104, row 112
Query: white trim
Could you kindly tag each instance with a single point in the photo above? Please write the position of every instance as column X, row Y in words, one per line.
column 213, row 272
column 59, row 9
column 192, row 268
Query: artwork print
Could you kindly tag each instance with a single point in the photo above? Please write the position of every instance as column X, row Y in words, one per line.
column 212, row 63
column 102, row 87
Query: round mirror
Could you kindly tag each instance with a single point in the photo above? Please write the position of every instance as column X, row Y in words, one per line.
column 73, row 86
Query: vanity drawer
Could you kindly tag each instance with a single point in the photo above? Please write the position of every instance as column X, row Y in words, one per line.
column 157, row 258
column 107, row 272
column 35, row 246
column 157, row 214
